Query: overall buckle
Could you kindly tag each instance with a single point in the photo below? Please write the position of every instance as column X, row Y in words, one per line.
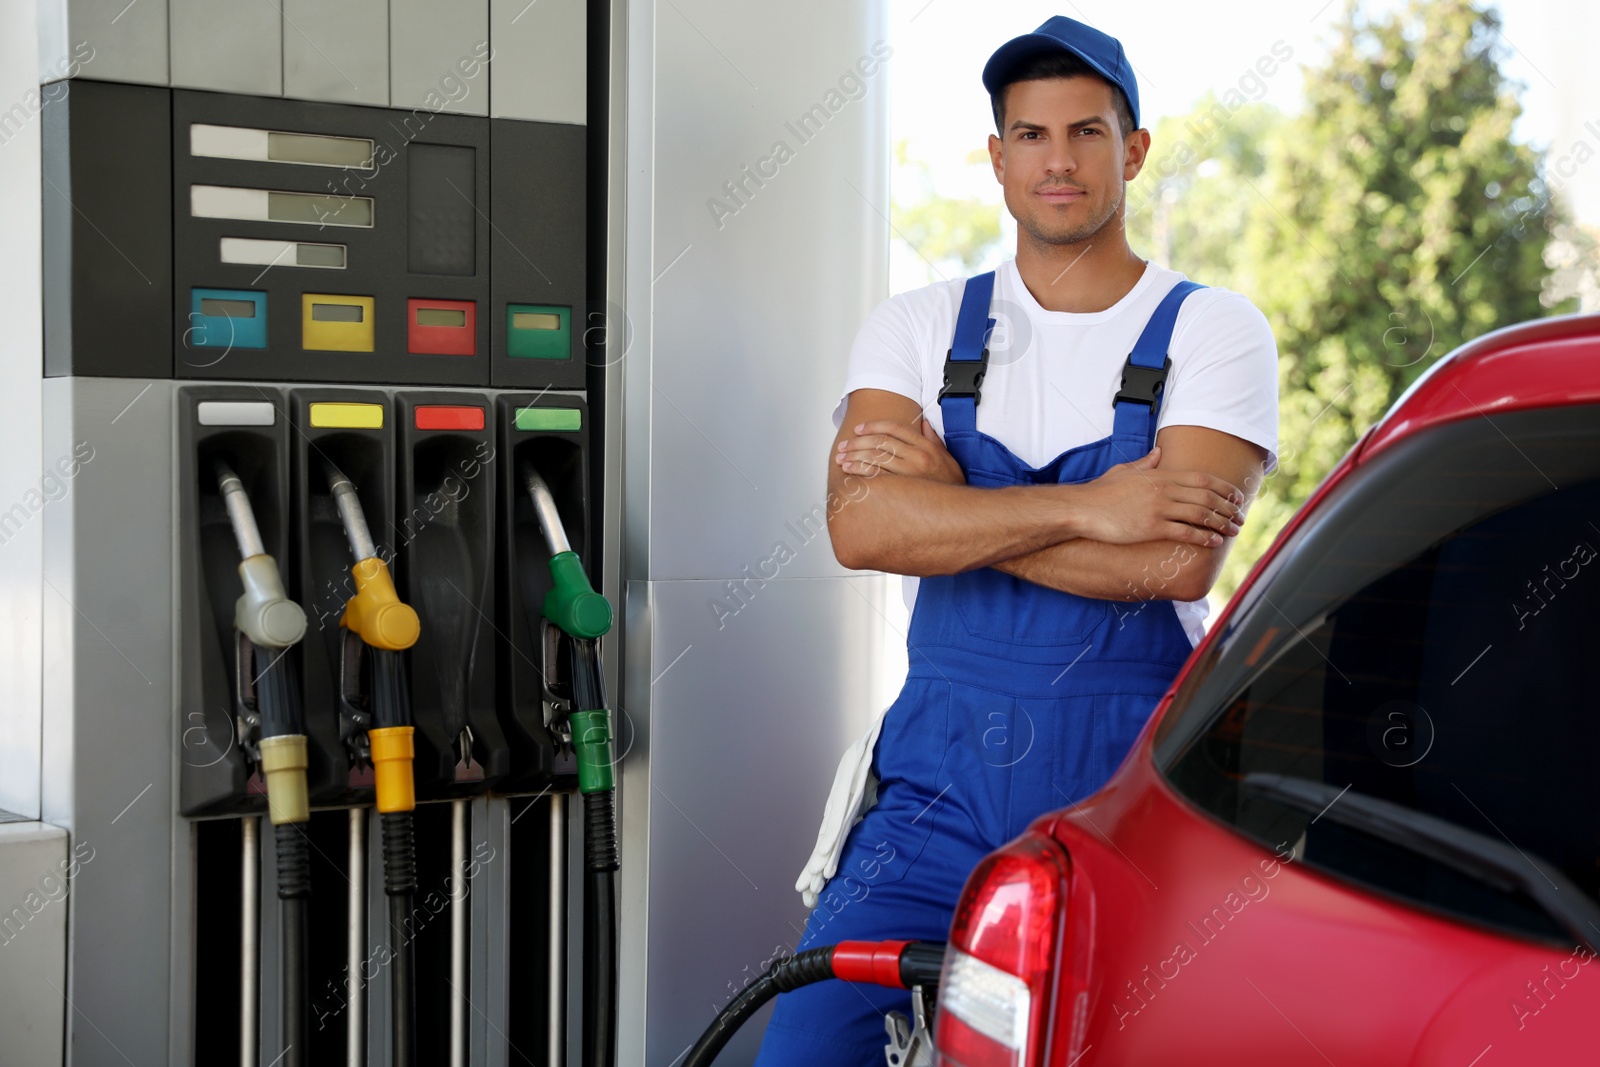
column 1142, row 385
column 962, row 377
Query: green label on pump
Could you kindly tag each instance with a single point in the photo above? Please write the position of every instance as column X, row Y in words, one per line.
column 534, row 331
column 549, row 419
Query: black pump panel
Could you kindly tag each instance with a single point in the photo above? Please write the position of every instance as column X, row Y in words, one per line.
column 444, row 532
column 549, row 431
column 335, row 425
column 247, row 428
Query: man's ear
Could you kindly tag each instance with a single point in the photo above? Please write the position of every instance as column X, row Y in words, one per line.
column 1135, row 149
column 997, row 158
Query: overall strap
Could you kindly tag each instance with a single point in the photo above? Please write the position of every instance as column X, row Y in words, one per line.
column 1144, row 375
column 968, row 357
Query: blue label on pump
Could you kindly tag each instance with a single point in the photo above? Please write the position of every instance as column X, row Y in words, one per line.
column 227, row 318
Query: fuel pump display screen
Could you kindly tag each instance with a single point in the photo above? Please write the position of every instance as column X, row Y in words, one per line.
column 277, row 205
column 232, row 309
column 440, row 317
column 273, row 146
column 319, row 151
column 535, row 320
column 262, row 252
column 336, row 312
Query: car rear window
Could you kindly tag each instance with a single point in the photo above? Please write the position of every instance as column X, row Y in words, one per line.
column 1432, row 640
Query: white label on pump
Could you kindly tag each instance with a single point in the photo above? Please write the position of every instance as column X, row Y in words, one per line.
column 235, row 413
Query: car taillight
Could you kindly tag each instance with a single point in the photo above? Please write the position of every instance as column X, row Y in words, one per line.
column 994, row 996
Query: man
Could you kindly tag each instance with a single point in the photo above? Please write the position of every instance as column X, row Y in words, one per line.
column 1065, row 499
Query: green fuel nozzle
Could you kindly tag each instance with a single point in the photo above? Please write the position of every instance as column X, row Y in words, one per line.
column 584, row 616
column 572, row 604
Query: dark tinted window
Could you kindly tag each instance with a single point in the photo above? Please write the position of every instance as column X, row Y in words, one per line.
column 1434, row 642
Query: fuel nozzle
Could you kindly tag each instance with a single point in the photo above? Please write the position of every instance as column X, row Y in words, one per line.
column 378, row 629
column 584, row 616
column 267, row 689
column 572, row 604
column 375, row 611
column 268, row 624
column 377, row 623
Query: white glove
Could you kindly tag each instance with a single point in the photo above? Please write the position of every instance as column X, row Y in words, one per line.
column 854, row 791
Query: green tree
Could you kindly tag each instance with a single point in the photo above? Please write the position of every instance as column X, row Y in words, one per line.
column 1391, row 220
column 956, row 232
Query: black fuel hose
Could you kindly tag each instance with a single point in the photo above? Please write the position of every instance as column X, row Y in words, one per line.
column 600, row 867
column 791, row 972
column 294, row 894
column 599, row 931
column 911, row 965
column 391, row 707
column 268, row 625
column 278, row 703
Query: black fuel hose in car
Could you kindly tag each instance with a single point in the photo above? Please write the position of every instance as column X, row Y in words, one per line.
column 894, row 964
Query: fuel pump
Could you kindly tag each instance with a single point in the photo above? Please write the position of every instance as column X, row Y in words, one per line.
column 268, row 625
column 576, row 617
column 376, row 716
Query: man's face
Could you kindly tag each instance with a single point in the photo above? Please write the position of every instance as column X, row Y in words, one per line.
column 1063, row 160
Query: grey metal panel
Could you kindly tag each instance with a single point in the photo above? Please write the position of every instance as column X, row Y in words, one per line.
column 540, row 52
column 336, row 52
column 109, row 40
column 754, row 305
column 231, row 46
column 34, row 863
column 110, row 736
column 634, row 801
column 436, row 54
column 743, row 321
column 20, row 345
column 747, row 722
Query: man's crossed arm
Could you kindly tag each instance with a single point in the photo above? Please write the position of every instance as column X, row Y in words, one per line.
column 1155, row 528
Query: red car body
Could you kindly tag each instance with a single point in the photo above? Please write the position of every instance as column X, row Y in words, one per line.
column 1159, row 933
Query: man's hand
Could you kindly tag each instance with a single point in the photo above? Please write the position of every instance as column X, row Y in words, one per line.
column 1173, row 569
column 1132, row 503
column 896, row 447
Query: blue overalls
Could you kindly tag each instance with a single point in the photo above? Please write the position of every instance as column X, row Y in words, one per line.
column 1020, row 699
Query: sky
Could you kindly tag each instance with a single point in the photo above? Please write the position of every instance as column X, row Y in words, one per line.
column 1182, row 50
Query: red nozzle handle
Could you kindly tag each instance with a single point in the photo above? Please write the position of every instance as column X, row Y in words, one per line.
column 869, row 962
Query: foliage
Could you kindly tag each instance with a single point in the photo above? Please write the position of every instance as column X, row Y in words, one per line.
column 958, row 232
column 1391, row 220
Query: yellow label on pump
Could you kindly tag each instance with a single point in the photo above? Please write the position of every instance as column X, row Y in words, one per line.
column 348, row 416
column 331, row 322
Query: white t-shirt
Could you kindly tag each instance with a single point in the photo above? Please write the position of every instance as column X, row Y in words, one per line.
column 1052, row 374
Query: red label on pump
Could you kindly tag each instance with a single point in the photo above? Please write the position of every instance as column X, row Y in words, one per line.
column 449, row 417
column 442, row 327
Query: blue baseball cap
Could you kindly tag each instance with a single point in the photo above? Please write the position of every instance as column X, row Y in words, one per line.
column 1102, row 53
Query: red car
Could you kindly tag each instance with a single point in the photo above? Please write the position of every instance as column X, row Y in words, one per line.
column 1363, row 827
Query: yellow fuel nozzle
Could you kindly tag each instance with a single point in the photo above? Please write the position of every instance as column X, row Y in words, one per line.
column 375, row 611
